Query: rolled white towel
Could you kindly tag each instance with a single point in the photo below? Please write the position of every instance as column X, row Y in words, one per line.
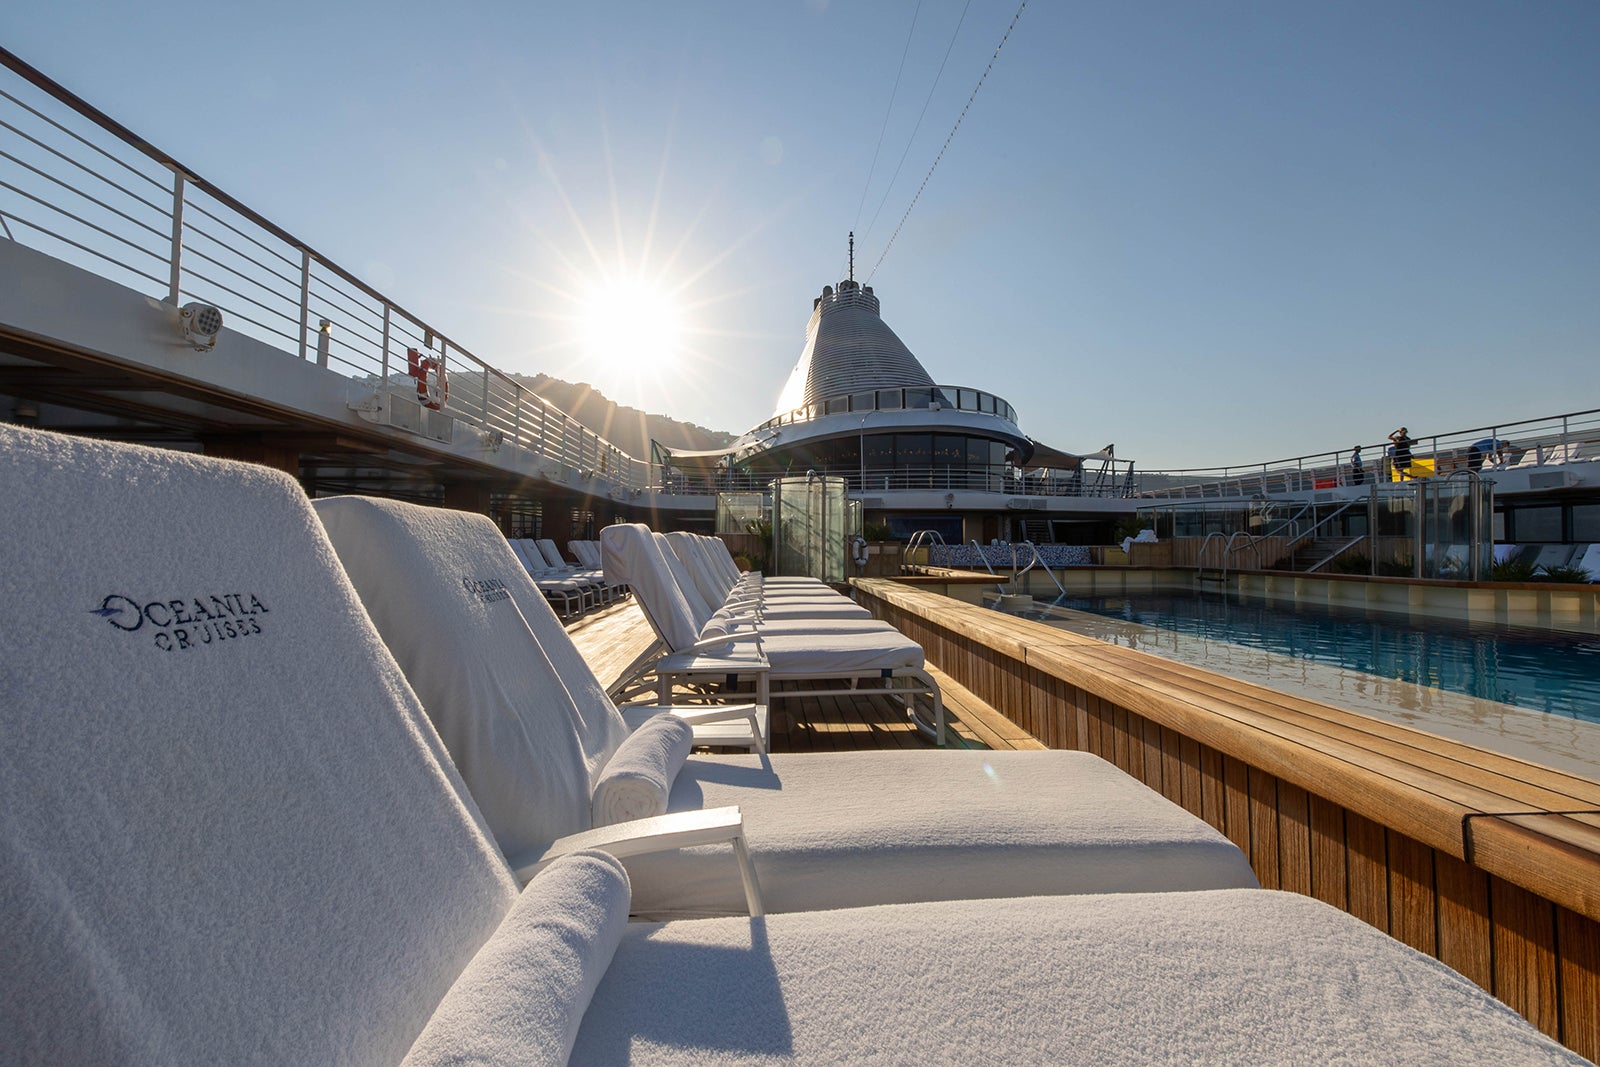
column 523, row 995
column 638, row 778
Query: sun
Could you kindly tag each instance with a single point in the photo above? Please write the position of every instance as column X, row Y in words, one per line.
column 632, row 322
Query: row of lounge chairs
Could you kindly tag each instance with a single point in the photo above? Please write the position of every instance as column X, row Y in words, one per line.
column 570, row 589
column 273, row 778
column 793, row 631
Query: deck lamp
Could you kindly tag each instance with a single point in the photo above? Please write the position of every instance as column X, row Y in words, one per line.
column 200, row 324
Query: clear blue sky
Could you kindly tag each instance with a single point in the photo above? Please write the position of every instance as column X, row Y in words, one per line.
column 1209, row 232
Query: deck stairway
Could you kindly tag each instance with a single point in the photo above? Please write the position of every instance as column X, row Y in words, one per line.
column 1316, row 553
column 1035, row 530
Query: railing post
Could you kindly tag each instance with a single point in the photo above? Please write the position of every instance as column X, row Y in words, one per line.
column 324, row 337
column 305, row 298
column 485, row 414
column 176, row 271
column 386, row 343
column 444, row 371
column 516, row 414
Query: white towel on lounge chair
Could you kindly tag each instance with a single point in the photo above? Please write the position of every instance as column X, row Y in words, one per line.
column 634, row 557
column 887, row 827
column 637, row 780
column 227, row 832
column 824, row 831
column 521, row 999
column 1223, row 977
column 834, row 614
column 533, row 775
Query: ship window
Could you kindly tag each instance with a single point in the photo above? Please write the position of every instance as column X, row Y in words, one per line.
column 861, row 402
column 880, row 451
column 839, row 454
column 1541, row 524
column 888, row 399
column 913, row 451
column 1586, row 525
column 838, row 404
column 986, row 403
column 949, row 451
column 967, row 399
column 919, row 398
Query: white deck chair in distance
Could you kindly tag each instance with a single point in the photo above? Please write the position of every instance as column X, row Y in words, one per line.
column 633, row 556
column 228, row 835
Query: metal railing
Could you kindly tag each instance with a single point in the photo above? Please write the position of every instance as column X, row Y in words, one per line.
column 999, row 480
column 77, row 185
column 909, row 398
column 1554, row 439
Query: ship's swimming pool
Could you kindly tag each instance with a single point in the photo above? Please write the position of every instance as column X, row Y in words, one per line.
column 1525, row 691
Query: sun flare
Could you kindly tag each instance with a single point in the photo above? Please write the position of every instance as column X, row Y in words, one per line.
column 631, row 322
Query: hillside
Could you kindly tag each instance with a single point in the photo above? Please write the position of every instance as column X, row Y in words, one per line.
column 628, row 428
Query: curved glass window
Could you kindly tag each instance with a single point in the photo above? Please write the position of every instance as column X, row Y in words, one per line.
column 913, row 451
column 838, row 405
column 863, row 402
column 888, row 399
column 986, row 403
column 919, row 398
column 967, row 399
column 950, row 451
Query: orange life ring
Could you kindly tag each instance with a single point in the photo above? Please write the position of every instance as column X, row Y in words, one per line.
column 432, row 395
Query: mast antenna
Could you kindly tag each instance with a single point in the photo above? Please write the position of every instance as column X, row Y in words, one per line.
column 852, row 255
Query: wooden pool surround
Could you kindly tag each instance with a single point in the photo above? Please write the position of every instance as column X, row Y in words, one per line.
column 1487, row 862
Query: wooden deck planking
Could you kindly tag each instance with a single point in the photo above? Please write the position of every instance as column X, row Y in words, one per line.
column 611, row 640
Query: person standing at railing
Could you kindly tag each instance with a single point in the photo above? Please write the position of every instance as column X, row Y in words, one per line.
column 1401, row 453
column 1358, row 473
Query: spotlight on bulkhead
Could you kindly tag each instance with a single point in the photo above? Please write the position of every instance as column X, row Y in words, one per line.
column 200, row 324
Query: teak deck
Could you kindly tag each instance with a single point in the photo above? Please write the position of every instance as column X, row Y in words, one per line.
column 611, row 640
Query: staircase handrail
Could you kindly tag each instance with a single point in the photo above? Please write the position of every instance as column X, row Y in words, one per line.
column 932, row 537
column 1353, row 542
column 1038, row 561
column 984, row 559
column 1335, row 513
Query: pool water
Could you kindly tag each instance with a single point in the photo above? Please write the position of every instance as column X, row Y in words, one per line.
column 1541, row 670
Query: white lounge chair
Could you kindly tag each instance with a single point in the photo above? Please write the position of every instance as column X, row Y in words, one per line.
column 849, row 653
column 814, row 602
column 546, row 548
column 228, row 835
column 825, row 830
column 567, row 595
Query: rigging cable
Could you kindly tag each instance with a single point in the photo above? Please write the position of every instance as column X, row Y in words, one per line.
column 949, row 138
column 893, row 95
column 920, row 116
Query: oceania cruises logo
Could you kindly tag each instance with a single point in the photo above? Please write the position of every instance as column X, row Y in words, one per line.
column 185, row 622
column 487, row 590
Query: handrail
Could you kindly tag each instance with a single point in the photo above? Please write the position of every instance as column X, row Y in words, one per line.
column 918, row 538
column 1336, row 553
column 182, row 236
column 1335, row 513
column 1228, row 550
column 983, row 557
column 927, row 398
column 1550, row 440
column 1038, row 560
